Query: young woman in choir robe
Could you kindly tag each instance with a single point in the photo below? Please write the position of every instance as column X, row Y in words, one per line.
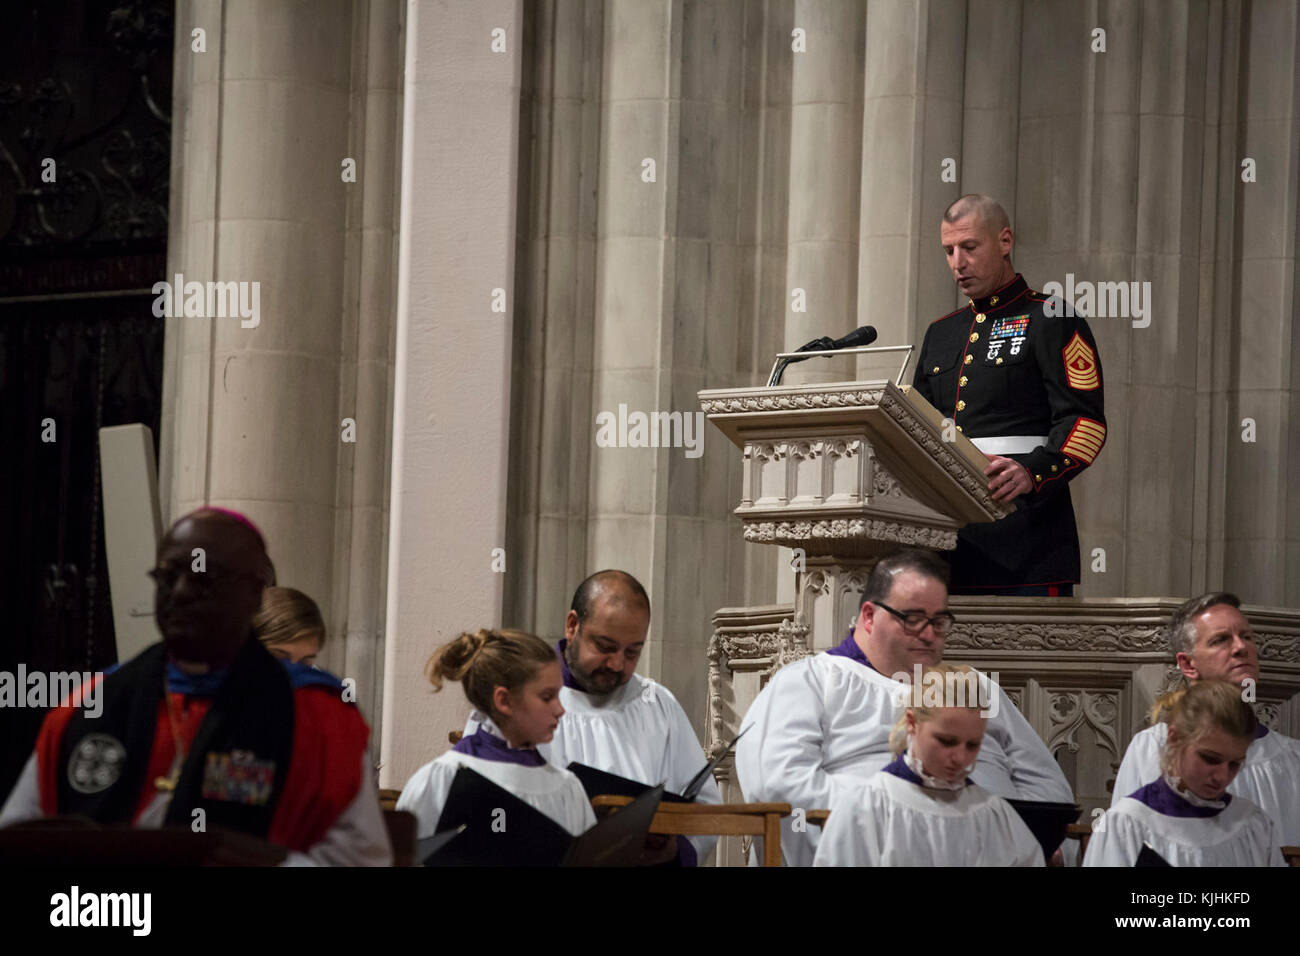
column 513, row 680
column 921, row 809
column 1186, row 816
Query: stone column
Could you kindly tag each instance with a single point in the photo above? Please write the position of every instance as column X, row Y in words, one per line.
column 912, row 125
column 825, row 157
column 264, row 118
column 451, row 396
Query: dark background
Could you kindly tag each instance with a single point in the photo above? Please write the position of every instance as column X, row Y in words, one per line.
column 87, row 83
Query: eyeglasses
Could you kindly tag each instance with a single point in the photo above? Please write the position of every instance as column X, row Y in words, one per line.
column 914, row 621
column 167, row 577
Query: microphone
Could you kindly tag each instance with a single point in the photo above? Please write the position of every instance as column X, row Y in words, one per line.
column 855, row 339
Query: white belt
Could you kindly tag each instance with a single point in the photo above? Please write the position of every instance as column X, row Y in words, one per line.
column 1009, row 444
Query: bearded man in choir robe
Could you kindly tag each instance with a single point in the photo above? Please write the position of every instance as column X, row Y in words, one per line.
column 616, row 720
column 822, row 723
column 1212, row 640
column 207, row 725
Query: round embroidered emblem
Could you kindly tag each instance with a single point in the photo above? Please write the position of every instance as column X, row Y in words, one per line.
column 97, row 761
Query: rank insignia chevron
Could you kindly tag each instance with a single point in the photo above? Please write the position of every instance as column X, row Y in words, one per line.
column 1080, row 365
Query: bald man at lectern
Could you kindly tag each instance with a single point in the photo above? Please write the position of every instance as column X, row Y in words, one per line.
column 1019, row 375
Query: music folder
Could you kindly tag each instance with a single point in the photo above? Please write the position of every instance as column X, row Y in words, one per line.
column 601, row 782
column 1149, row 857
column 487, row 825
column 1046, row 821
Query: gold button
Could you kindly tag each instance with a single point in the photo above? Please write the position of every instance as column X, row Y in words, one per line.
column 963, row 380
column 1038, row 477
column 936, row 369
column 958, row 428
column 993, row 301
column 974, row 336
column 961, row 406
column 969, row 359
column 998, row 362
column 1067, row 461
column 981, row 317
column 1053, row 468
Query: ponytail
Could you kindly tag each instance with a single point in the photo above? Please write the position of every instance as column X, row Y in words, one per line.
column 488, row 659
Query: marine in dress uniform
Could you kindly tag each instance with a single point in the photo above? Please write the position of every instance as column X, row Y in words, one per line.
column 1021, row 378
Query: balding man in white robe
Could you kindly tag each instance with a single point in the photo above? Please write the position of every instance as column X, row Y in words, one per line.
column 616, row 720
column 822, row 723
column 1212, row 640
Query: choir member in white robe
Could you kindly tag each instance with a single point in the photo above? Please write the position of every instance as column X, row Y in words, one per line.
column 1212, row 639
column 617, row 720
column 514, row 680
column 522, row 771
column 1187, row 816
column 822, row 723
column 922, row 809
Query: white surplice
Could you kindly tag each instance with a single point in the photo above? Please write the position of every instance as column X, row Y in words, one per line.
column 554, row 792
column 1270, row 778
column 894, row 822
column 822, row 723
column 639, row 731
column 1240, row 835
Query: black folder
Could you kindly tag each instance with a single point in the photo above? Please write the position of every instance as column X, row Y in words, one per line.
column 598, row 782
column 487, row 825
column 1047, row 821
column 1149, row 857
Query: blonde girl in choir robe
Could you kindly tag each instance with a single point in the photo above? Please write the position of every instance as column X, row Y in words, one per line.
column 921, row 809
column 513, row 680
column 1186, row 815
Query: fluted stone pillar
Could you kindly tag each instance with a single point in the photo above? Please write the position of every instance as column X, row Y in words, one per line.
column 451, row 393
column 911, row 126
column 264, row 118
column 825, row 159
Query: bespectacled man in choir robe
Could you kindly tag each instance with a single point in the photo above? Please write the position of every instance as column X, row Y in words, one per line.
column 207, row 720
column 1212, row 640
column 617, row 721
column 822, row 723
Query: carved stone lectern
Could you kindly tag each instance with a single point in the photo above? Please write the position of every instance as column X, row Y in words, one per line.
column 846, row 472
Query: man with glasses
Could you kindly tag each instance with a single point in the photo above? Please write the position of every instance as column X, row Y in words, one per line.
column 206, row 730
column 822, row 723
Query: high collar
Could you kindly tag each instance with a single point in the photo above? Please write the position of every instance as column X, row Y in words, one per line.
column 898, row 767
column 1164, row 799
column 849, row 648
column 488, row 744
column 570, row 681
column 1000, row 297
column 198, row 685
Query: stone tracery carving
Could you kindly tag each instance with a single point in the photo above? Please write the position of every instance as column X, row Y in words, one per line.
column 1056, row 637
column 781, row 532
column 1071, row 710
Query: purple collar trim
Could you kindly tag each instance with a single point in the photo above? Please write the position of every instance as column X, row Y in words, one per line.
column 899, row 768
column 488, row 746
column 849, row 648
column 569, row 680
column 1161, row 798
column 1260, row 731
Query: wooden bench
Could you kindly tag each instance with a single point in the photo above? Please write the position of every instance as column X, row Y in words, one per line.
column 712, row 819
